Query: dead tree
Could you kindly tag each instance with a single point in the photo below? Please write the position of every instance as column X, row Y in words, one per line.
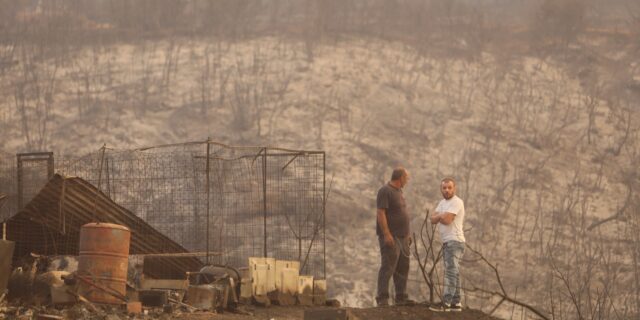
column 621, row 117
column 34, row 98
column 431, row 258
column 503, row 294
column 205, row 83
column 591, row 105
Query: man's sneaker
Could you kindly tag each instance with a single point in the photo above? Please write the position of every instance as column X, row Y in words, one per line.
column 456, row 307
column 382, row 303
column 440, row 307
column 405, row 302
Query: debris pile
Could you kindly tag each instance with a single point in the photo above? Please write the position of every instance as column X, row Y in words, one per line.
column 54, row 288
column 106, row 270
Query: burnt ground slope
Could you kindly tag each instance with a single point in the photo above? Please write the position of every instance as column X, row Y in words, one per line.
column 396, row 313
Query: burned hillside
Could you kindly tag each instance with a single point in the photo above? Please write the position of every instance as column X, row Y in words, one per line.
column 531, row 105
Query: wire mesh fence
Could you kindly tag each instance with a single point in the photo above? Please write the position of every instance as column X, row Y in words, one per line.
column 227, row 202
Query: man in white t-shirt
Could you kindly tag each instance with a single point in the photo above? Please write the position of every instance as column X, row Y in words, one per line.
column 449, row 216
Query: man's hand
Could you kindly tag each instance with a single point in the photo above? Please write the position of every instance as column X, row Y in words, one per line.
column 388, row 240
column 446, row 218
column 382, row 222
column 435, row 218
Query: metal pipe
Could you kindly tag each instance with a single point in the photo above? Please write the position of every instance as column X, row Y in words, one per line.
column 207, row 185
column 324, row 205
column 19, row 182
column 264, row 196
column 95, row 199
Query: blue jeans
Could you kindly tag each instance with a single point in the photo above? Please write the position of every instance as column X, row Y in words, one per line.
column 453, row 251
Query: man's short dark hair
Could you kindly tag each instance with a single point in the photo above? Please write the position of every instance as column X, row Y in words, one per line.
column 448, row 179
column 398, row 173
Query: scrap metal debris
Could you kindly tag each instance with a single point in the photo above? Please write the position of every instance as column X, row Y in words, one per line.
column 50, row 225
column 169, row 281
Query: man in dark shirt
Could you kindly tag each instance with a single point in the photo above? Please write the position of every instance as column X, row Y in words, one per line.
column 392, row 228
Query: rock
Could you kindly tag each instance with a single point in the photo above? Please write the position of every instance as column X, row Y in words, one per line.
column 261, row 301
column 283, row 299
column 333, row 303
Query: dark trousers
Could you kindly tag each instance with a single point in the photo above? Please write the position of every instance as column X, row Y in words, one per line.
column 394, row 263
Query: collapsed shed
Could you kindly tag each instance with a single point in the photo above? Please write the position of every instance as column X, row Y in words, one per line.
column 50, row 225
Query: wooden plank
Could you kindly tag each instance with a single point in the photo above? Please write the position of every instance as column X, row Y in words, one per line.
column 6, row 255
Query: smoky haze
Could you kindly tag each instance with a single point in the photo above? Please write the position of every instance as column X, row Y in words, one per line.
column 531, row 105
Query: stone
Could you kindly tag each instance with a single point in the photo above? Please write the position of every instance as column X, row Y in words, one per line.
column 261, row 301
column 333, row 303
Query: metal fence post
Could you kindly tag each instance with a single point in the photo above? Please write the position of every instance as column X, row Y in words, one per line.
column 324, row 214
column 207, row 186
column 264, row 196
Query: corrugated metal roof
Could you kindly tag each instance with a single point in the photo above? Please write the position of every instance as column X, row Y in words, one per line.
column 50, row 225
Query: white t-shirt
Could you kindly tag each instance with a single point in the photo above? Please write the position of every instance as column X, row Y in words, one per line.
column 454, row 230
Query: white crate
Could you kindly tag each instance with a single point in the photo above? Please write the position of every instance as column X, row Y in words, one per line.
column 305, row 285
column 263, row 275
column 287, row 276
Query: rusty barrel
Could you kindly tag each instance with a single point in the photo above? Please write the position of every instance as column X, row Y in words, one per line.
column 103, row 262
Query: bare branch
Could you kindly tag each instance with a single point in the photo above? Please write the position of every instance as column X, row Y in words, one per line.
column 504, row 294
column 618, row 215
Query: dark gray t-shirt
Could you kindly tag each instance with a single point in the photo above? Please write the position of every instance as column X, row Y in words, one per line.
column 392, row 200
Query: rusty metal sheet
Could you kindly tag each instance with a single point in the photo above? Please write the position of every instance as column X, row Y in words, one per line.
column 50, row 224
